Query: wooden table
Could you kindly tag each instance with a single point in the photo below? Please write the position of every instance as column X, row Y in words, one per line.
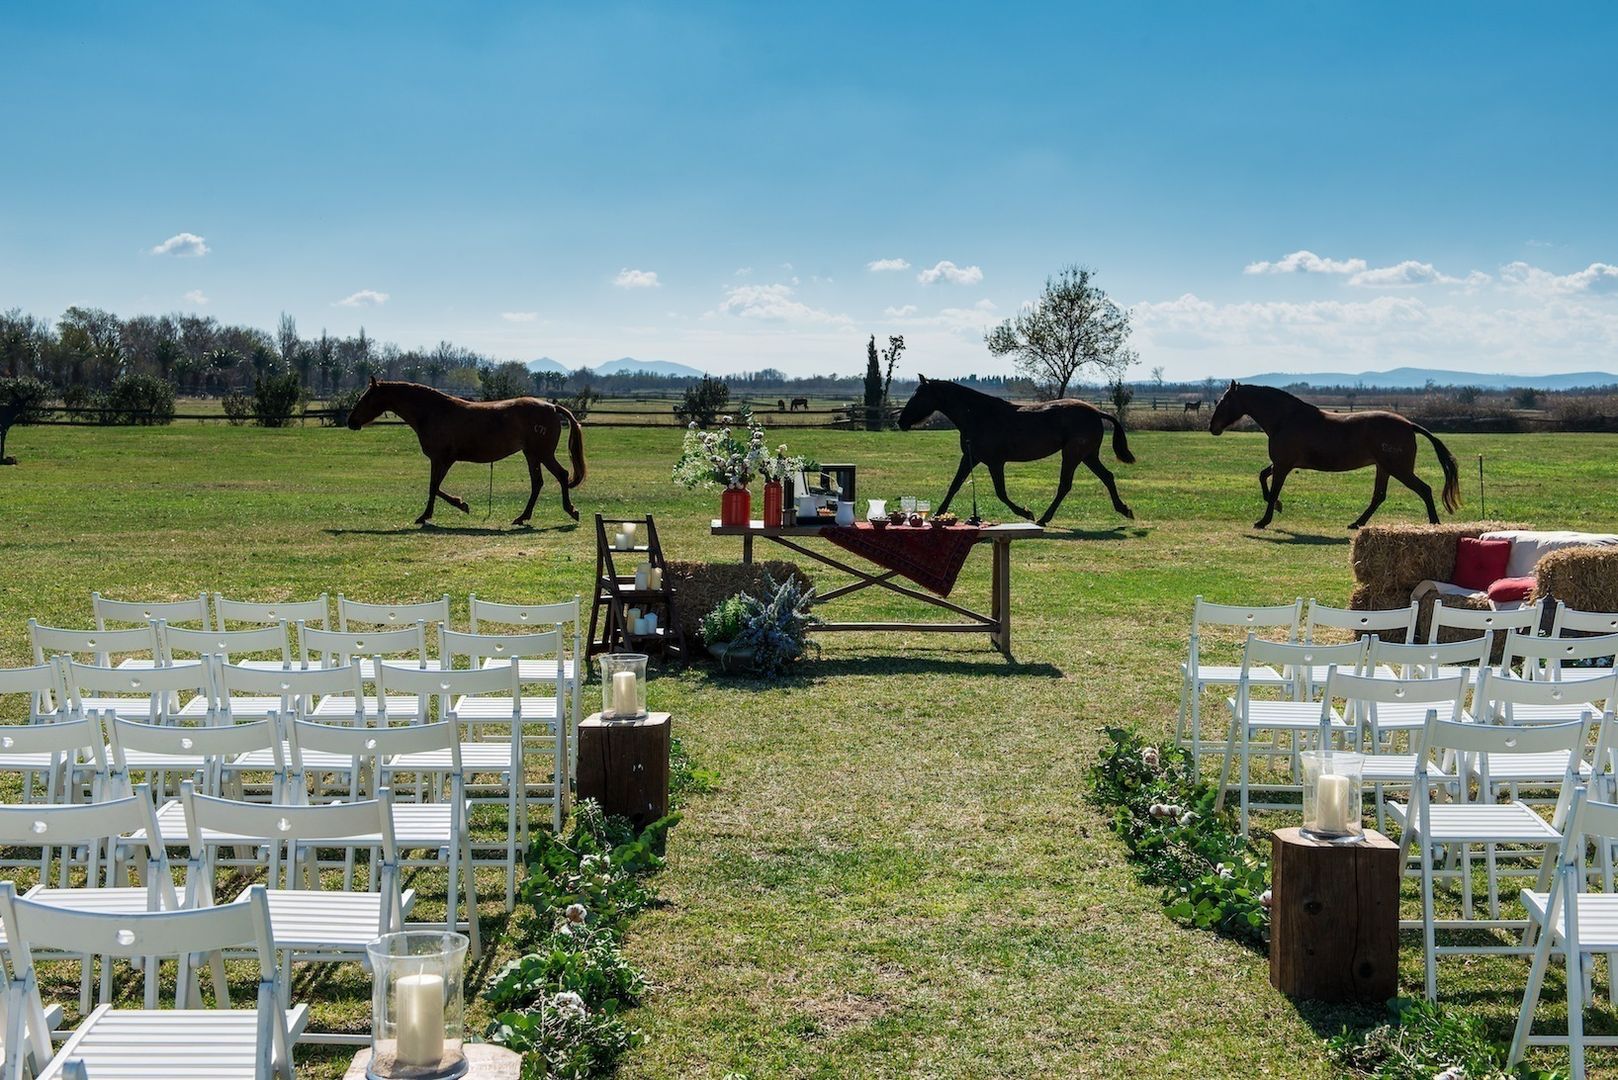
column 997, row 623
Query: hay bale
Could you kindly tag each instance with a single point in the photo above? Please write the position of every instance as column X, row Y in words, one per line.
column 700, row 586
column 1389, row 561
column 1582, row 578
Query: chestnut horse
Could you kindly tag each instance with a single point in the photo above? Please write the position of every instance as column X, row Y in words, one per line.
column 453, row 429
column 995, row 431
column 1304, row 437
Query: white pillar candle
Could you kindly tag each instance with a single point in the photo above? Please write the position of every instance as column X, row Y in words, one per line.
column 629, row 530
column 1333, row 799
column 631, row 615
column 650, row 619
column 620, row 542
column 642, row 580
column 656, row 580
column 420, row 1000
column 625, row 701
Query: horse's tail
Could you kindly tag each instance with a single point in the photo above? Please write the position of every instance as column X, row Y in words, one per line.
column 1452, row 472
column 575, row 447
column 1120, row 444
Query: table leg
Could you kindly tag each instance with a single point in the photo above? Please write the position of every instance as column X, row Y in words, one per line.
column 747, row 549
column 1001, row 570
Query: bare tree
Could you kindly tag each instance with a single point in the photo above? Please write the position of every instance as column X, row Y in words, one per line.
column 1072, row 325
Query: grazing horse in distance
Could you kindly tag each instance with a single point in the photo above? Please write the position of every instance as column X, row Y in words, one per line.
column 1194, row 406
column 1302, row 436
column 453, row 429
column 995, row 431
column 800, row 403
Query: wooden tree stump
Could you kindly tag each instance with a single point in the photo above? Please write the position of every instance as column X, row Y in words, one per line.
column 1334, row 918
column 624, row 765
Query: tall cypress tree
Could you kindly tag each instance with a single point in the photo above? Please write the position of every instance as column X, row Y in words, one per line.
column 873, row 387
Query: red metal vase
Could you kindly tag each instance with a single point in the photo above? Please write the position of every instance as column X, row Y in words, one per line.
column 772, row 503
column 735, row 507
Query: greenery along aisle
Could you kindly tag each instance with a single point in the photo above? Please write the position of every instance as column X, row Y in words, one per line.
column 1215, row 879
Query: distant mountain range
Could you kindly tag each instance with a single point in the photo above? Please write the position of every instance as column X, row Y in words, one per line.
column 1409, row 377
column 621, row 366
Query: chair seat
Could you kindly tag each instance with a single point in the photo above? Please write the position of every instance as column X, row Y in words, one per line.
column 1231, row 674
column 1397, row 768
column 472, row 708
column 244, row 707
column 139, row 1044
column 312, row 919
column 1287, row 715
column 1547, row 767
column 125, row 708
column 1598, row 918
column 318, row 760
column 536, row 670
column 159, row 759
column 1412, row 716
column 1479, row 823
column 1570, row 712
column 342, row 705
column 475, row 757
column 368, row 666
column 117, row 901
column 31, row 762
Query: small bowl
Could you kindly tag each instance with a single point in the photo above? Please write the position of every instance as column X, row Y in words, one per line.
column 917, row 521
column 879, row 523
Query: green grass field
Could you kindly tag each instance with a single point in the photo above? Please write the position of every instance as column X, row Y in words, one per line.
column 896, row 874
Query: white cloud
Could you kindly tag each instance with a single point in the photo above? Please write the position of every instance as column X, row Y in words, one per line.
column 520, row 316
column 772, row 303
column 364, row 298
column 1597, row 279
column 637, row 279
column 948, row 271
column 184, row 244
column 900, row 312
column 1306, row 262
column 1411, row 273
column 878, row 265
column 195, row 296
column 972, row 320
column 743, row 271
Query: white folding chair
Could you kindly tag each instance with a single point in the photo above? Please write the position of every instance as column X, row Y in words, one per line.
column 474, row 701
column 1524, row 702
column 1460, row 825
column 1486, row 623
column 309, row 925
column 1549, row 657
column 489, row 617
column 96, row 830
column 439, row 827
column 1566, row 620
column 1385, row 623
column 1575, row 924
column 353, row 615
column 136, row 646
column 255, row 613
column 197, row 755
column 41, row 685
column 150, row 694
column 140, row 612
column 339, row 648
column 1285, row 720
column 178, row 645
column 183, row 1043
column 1197, row 675
column 1361, row 697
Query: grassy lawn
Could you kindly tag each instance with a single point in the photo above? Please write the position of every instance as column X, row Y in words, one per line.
column 896, row 874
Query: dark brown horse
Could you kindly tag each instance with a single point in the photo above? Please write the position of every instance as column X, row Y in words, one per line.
column 453, row 429
column 995, row 431
column 1304, row 437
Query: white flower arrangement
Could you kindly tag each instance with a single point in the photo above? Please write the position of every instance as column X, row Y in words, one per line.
column 724, row 458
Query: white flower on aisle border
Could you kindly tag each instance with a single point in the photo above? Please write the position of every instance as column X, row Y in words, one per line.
column 1148, row 757
column 1264, row 898
column 576, row 914
column 1187, row 818
column 569, row 1002
column 1454, row 1072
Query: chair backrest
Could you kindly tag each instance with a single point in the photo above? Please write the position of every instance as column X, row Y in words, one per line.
column 1408, row 659
column 373, row 744
column 1486, row 622
column 338, row 647
column 185, row 935
column 478, row 647
column 100, row 645
column 42, row 683
column 1362, row 695
column 285, row 829
column 296, row 687
column 99, row 827
column 158, row 685
column 1382, row 622
column 61, row 737
column 1506, row 740
column 1546, row 658
column 528, row 616
column 355, row 615
column 1498, row 695
column 1566, row 620
column 1247, row 617
column 140, row 612
column 445, row 685
column 212, row 741
column 315, row 612
column 177, row 642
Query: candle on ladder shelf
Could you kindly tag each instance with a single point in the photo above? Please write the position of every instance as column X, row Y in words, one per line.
column 421, row 1019
column 625, row 701
column 629, row 530
column 643, row 577
column 656, row 578
column 632, row 616
column 650, row 619
column 620, row 542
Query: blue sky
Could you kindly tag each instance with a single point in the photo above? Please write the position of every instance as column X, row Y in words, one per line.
column 713, row 184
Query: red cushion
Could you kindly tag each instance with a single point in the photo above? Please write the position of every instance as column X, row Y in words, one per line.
column 1480, row 563
column 1508, row 589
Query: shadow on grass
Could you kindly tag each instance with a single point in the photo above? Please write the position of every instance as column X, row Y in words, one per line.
column 813, row 671
column 1287, row 536
column 475, row 530
column 1116, row 532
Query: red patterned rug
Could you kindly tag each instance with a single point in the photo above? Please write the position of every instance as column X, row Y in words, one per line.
column 930, row 556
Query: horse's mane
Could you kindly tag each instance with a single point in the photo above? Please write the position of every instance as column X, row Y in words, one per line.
column 415, row 389
column 1275, row 396
column 968, row 396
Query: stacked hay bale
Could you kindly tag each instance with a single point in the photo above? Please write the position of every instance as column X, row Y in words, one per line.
column 1582, row 578
column 700, row 586
column 1391, row 560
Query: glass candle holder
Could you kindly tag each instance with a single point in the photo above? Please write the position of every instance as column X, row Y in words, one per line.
column 418, row 1011
column 623, row 686
column 1331, row 796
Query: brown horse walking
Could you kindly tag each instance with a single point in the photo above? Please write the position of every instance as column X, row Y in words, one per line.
column 453, row 429
column 1304, row 437
column 995, row 431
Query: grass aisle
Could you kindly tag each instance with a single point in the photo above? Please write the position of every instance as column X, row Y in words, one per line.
column 896, row 874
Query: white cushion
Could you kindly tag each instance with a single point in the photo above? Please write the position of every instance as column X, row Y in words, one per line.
column 1528, row 547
